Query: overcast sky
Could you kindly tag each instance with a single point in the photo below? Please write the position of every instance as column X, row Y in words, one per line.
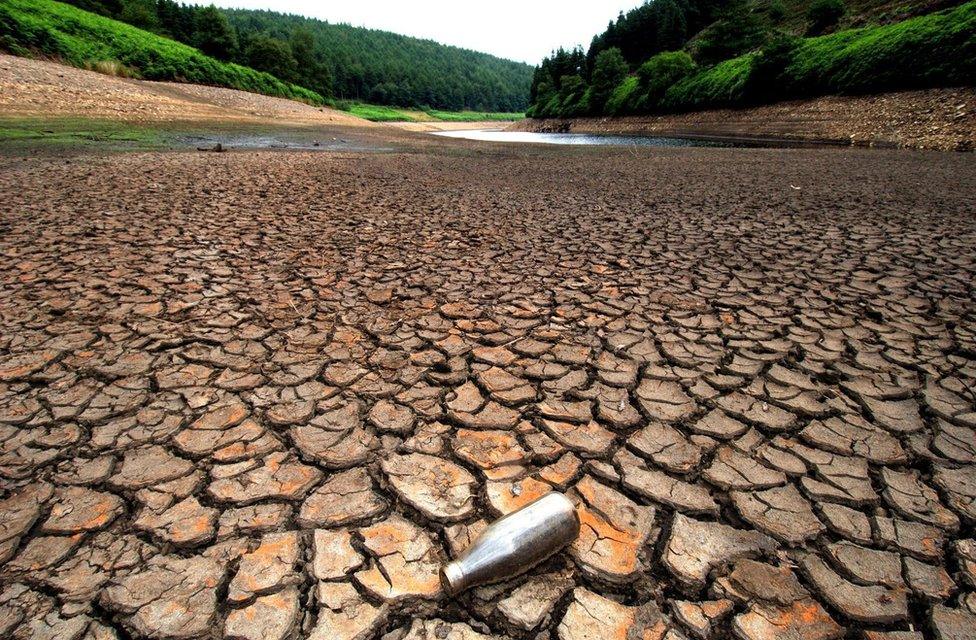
column 525, row 30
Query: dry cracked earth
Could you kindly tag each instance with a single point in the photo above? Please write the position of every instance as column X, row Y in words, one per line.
column 265, row 395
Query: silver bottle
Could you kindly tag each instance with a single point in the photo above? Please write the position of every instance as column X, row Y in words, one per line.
column 514, row 543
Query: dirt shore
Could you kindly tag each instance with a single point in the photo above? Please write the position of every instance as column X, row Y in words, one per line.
column 265, row 394
column 943, row 119
column 37, row 88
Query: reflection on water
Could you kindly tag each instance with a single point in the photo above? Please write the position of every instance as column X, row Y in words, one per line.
column 491, row 135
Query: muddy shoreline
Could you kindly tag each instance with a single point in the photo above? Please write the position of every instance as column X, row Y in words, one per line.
column 942, row 119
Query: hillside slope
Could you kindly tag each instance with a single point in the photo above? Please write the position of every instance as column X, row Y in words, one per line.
column 645, row 63
column 336, row 60
column 41, row 89
column 387, row 68
column 87, row 40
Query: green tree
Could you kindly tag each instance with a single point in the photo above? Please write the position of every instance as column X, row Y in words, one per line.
column 671, row 26
column 271, row 55
column 660, row 72
column 571, row 91
column 738, row 31
column 776, row 11
column 767, row 81
column 609, row 70
column 213, row 34
column 824, row 14
column 140, row 13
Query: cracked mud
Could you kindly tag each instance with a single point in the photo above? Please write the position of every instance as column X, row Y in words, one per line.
column 266, row 395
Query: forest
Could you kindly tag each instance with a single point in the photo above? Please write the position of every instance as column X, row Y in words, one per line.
column 337, row 61
column 681, row 55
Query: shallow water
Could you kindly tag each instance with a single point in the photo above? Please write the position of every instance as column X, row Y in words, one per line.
column 493, row 135
column 294, row 142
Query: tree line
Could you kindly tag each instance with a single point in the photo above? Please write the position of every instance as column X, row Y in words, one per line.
column 335, row 60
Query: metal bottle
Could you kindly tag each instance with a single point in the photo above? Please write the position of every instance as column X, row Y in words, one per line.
column 514, row 543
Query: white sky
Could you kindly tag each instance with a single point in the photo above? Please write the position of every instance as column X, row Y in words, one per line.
column 525, row 30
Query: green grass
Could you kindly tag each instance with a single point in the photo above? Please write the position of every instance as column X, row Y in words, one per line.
column 933, row 50
column 472, row 116
column 377, row 113
column 83, row 39
column 33, row 133
column 720, row 85
column 382, row 113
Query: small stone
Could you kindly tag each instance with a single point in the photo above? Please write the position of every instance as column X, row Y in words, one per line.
column 750, row 410
column 507, row 496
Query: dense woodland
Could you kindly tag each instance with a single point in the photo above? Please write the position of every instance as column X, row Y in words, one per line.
column 336, row 61
column 673, row 55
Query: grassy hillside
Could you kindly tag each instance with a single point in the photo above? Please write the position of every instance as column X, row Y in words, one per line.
column 90, row 41
column 335, row 60
column 739, row 59
column 859, row 13
column 927, row 51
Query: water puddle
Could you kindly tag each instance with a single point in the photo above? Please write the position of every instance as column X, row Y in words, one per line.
column 493, row 135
